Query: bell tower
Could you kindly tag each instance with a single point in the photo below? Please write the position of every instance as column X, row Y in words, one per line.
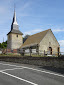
column 14, row 37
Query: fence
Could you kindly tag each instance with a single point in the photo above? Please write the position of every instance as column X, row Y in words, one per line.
column 41, row 53
column 34, row 52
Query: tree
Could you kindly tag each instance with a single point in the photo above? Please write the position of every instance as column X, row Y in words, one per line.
column 25, row 38
column 3, row 45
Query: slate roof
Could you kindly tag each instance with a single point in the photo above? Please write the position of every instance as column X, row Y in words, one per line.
column 15, row 31
column 34, row 39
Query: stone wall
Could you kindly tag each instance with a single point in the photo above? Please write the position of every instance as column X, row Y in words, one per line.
column 14, row 41
column 57, row 62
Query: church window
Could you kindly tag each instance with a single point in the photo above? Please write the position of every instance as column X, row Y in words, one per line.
column 49, row 44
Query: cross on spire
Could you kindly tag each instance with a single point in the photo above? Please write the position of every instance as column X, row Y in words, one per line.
column 14, row 24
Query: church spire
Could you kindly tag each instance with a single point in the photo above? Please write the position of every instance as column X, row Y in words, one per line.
column 15, row 21
column 14, row 25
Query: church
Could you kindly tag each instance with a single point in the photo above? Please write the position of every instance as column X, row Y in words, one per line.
column 44, row 41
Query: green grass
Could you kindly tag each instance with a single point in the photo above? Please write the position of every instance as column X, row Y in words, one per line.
column 34, row 55
column 19, row 55
column 10, row 55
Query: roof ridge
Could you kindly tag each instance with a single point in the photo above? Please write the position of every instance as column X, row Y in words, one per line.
column 40, row 32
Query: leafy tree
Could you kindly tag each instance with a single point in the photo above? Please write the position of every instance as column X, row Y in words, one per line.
column 25, row 38
column 3, row 45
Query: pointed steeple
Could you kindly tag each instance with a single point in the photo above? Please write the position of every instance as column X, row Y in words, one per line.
column 15, row 26
column 14, row 22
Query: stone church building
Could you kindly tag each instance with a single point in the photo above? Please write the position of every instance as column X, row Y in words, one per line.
column 44, row 41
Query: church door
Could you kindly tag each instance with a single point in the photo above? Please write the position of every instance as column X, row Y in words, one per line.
column 50, row 50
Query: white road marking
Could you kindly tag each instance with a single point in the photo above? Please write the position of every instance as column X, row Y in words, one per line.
column 10, row 69
column 19, row 78
column 10, row 65
column 36, row 70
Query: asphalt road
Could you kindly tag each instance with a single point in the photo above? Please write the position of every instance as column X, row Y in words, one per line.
column 22, row 74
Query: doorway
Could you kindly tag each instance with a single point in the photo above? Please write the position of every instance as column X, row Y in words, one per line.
column 50, row 50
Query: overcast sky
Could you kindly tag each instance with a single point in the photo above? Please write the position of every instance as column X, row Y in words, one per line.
column 33, row 16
